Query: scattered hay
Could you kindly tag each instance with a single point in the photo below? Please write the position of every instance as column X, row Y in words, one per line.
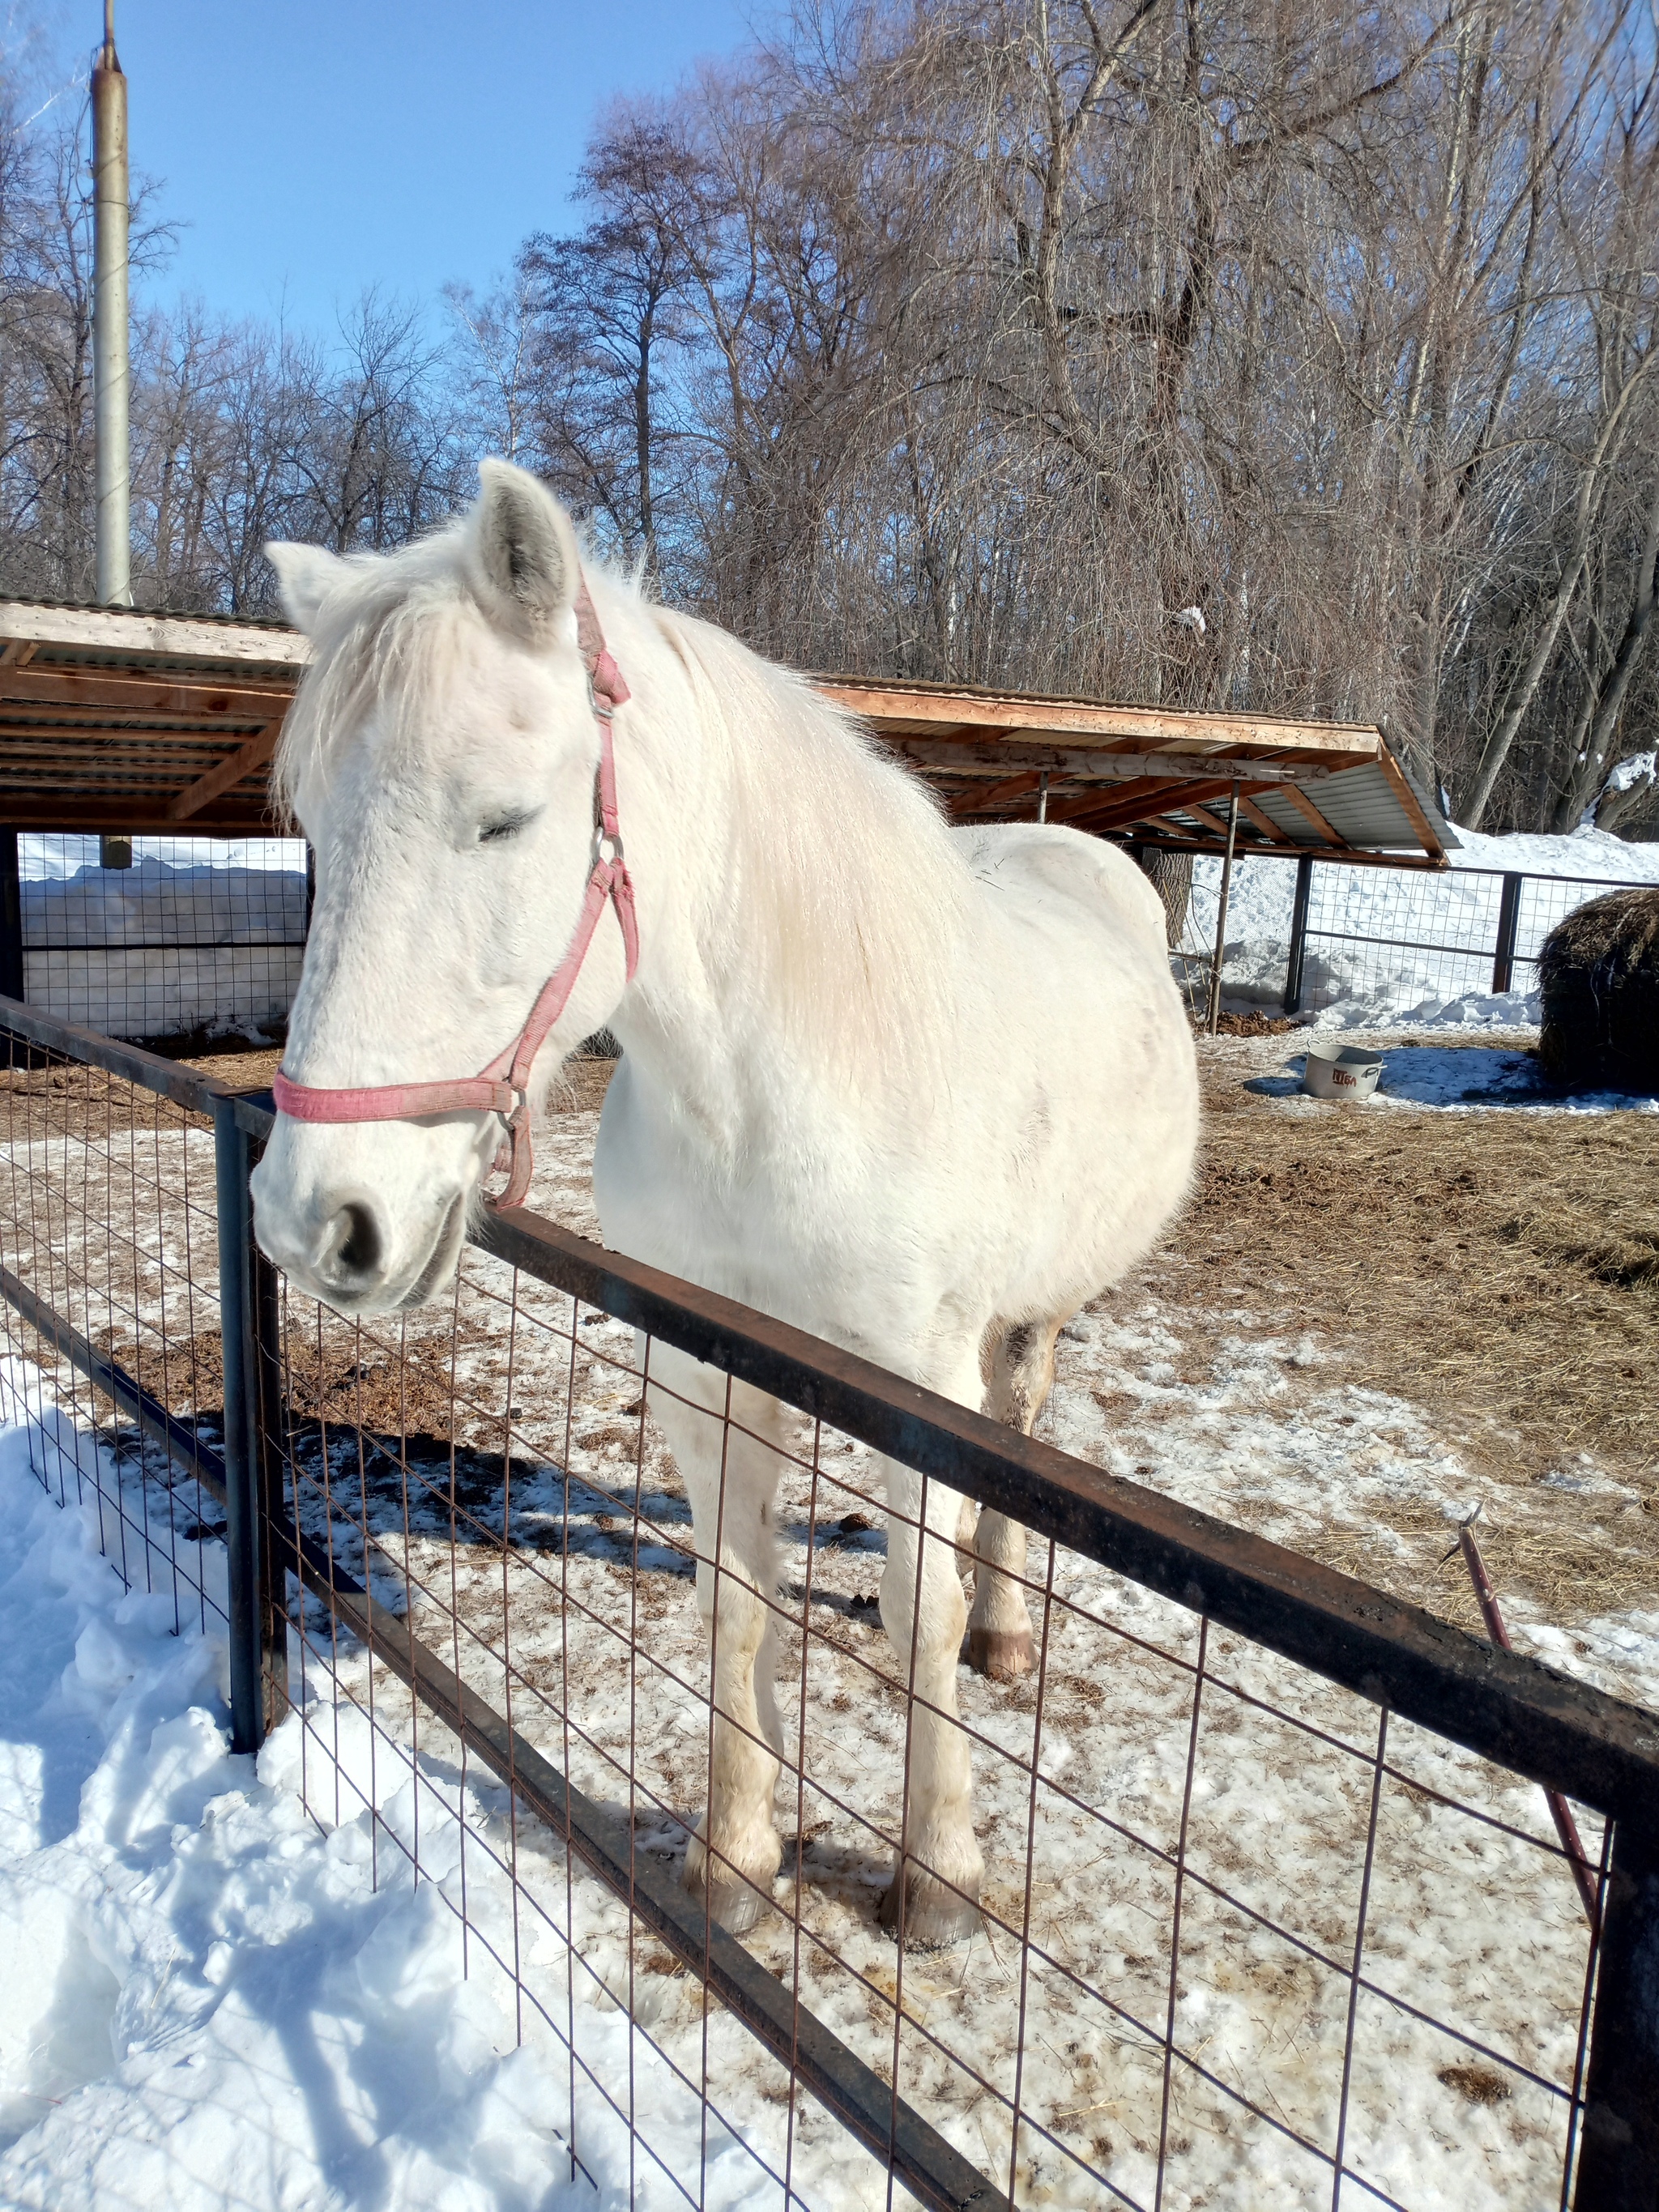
column 1482, row 2085
column 1598, row 974
column 1500, row 1270
column 1256, row 1023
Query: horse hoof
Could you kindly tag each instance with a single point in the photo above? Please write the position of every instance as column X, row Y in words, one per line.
column 935, row 1915
column 738, row 1905
column 1003, row 1654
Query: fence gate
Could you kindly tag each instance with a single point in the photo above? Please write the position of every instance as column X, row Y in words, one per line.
column 1274, row 1911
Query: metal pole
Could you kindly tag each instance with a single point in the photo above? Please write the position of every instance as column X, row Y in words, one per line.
column 15, row 1053
column 1221, row 914
column 265, row 1402
column 1509, row 920
column 110, row 369
column 1042, row 796
column 231, row 1163
column 1304, row 868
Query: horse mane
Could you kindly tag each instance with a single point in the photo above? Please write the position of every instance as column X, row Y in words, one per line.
column 843, row 892
column 853, row 890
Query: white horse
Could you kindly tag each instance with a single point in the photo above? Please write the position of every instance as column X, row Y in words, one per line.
column 921, row 1093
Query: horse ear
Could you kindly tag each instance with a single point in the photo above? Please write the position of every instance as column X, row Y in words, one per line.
column 523, row 551
column 306, row 575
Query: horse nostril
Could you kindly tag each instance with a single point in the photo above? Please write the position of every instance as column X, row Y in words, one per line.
column 354, row 1240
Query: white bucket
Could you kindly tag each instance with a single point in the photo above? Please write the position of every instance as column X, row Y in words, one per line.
column 1345, row 1072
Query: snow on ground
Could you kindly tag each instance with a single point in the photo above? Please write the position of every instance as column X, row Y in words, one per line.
column 209, row 1998
column 198, row 931
column 1460, row 1077
column 234, row 1994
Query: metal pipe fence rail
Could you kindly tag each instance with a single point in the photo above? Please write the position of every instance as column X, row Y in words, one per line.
column 1273, row 1911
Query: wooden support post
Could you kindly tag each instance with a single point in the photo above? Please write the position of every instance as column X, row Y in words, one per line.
column 1221, row 914
column 1509, row 918
column 1304, row 868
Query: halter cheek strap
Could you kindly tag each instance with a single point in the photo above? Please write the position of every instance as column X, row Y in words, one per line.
column 503, row 1087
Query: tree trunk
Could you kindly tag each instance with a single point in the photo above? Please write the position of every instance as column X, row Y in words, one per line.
column 1172, row 877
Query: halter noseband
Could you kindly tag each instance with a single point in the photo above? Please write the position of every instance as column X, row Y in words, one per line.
column 503, row 1087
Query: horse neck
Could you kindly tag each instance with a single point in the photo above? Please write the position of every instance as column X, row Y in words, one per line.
column 777, row 875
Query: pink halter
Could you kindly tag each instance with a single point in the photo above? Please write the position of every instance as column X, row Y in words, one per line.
column 503, row 1087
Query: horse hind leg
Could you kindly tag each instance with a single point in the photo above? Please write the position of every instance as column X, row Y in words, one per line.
column 1022, row 1372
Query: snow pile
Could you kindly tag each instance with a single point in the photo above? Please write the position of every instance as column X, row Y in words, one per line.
column 191, row 937
column 1401, row 947
column 208, row 1999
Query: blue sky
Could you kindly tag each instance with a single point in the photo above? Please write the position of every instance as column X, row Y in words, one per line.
column 308, row 148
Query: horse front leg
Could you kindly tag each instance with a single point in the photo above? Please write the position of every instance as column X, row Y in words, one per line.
column 1000, row 1625
column 731, row 1472
column 933, row 1897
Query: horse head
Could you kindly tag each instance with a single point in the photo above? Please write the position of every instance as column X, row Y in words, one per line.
column 442, row 756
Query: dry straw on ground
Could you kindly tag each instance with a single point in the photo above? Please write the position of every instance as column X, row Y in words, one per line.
column 1499, row 1269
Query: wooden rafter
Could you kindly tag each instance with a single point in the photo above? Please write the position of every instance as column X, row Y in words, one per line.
column 1265, row 823
column 1304, row 805
column 1150, row 806
column 241, row 764
column 975, row 797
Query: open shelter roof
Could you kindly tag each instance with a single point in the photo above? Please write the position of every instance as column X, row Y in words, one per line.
column 115, row 719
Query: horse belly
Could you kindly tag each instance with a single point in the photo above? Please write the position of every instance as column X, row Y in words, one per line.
column 1096, row 1055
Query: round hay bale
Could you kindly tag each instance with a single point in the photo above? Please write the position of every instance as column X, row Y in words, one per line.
column 1599, row 973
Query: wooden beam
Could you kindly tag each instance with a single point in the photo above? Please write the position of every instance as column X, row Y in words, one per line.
column 140, row 814
column 1005, row 750
column 980, row 795
column 229, row 774
column 167, row 637
column 16, row 652
column 1301, row 801
column 920, row 709
column 111, row 690
column 1353, row 856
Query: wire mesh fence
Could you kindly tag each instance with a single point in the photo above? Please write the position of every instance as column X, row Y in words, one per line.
column 108, row 1258
column 1387, row 942
column 197, row 937
column 1249, row 1929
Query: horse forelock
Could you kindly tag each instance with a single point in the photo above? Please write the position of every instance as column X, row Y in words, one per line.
column 398, row 626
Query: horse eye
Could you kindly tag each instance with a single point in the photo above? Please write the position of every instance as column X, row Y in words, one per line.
column 503, row 827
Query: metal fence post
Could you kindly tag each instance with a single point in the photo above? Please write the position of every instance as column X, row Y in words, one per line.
column 236, row 1318
column 1508, row 917
column 1619, row 2163
column 14, row 1051
column 1304, row 868
column 266, row 1402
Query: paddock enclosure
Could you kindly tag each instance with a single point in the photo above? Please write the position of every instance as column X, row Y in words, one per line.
column 1274, row 1912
